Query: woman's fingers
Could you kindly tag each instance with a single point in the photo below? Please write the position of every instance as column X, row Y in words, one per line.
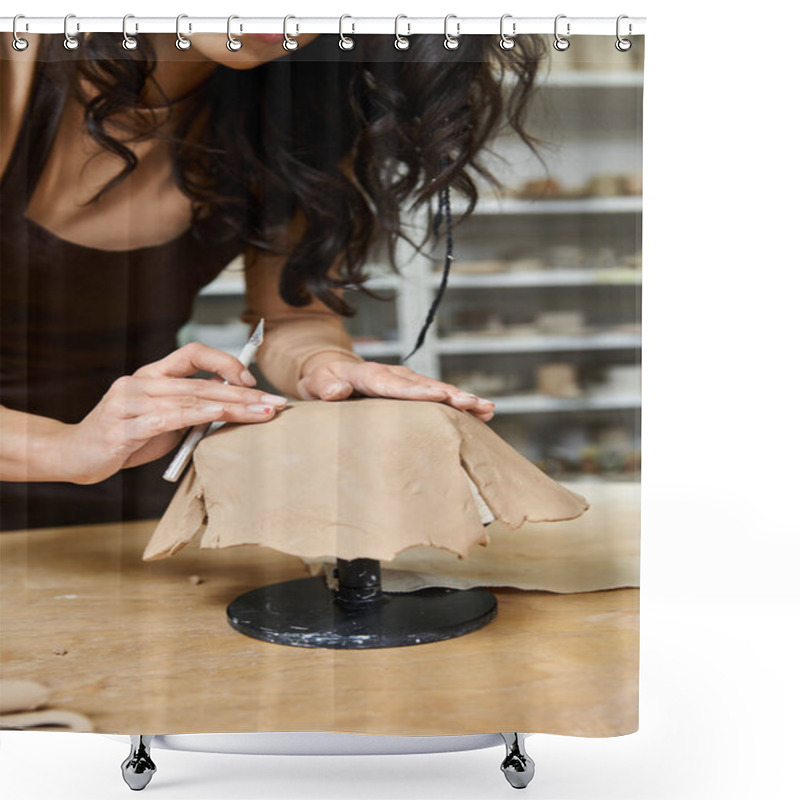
column 399, row 386
column 456, row 396
column 170, row 415
column 141, row 416
column 404, row 383
column 196, row 357
column 132, row 395
column 339, row 380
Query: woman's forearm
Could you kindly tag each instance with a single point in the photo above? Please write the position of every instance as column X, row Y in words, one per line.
column 30, row 447
column 297, row 339
column 294, row 347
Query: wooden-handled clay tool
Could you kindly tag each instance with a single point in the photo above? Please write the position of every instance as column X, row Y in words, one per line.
column 181, row 459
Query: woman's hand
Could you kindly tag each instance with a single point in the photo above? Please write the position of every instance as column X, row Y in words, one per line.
column 338, row 380
column 142, row 416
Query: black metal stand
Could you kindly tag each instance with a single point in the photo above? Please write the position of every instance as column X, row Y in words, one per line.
column 358, row 615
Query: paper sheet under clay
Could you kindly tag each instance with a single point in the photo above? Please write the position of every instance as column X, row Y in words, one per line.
column 361, row 478
column 597, row 551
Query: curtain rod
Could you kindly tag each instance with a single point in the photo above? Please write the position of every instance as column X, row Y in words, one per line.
column 349, row 25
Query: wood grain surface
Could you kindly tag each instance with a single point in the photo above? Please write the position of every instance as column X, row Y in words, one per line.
column 141, row 647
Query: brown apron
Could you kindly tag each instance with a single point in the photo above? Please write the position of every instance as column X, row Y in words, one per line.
column 75, row 318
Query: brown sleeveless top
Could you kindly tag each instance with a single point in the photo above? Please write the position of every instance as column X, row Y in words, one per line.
column 75, row 318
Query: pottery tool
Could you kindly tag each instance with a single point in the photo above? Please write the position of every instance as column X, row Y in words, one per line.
column 178, row 463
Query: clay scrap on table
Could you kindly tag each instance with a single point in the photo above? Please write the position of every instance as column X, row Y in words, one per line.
column 23, row 705
column 361, row 478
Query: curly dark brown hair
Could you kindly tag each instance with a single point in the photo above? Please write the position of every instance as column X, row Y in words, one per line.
column 411, row 122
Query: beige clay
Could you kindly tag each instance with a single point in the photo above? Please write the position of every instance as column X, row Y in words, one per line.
column 361, row 478
column 21, row 706
column 47, row 718
column 22, row 695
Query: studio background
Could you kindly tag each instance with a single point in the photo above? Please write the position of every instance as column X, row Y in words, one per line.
column 720, row 604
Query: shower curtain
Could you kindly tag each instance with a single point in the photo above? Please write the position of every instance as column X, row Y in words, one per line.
column 441, row 418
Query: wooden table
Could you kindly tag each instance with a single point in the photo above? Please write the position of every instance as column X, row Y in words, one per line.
column 150, row 651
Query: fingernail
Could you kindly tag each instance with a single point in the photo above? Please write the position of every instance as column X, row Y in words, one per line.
column 274, row 399
column 465, row 396
column 260, row 409
column 335, row 389
column 212, row 408
column 248, row 377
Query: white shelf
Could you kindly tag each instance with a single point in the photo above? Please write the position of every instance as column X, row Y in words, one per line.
column 507, row 344
column 536, row 344
column 223, row 287
column 377, row 349
column 235, row 287
column 594, row 79
column 586, row 79
column 613, row 276
column 493, row 206
column 527, row 404
column 620, row 276
column 382, row 282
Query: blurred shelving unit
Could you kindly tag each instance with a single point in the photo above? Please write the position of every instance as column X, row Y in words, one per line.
column 547, row 277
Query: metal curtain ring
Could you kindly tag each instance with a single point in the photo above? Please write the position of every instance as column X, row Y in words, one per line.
column 506, row 41
column 288, row 42
column 182, row 43
column 19, row 44
column 401, row 42
column 128, row 42
column 451, row 42
column 233, row 44
column 623, row 44
column 560, row 42
column 346, row 42
column 70, row 42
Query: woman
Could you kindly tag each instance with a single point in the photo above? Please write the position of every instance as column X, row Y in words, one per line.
column 130, row 179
